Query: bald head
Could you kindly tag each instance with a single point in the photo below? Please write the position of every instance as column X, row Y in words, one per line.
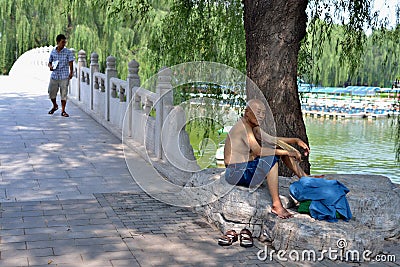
column 255, row 104
column 255, row 111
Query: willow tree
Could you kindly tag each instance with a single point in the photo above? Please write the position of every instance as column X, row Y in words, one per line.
column 379, row 66
column 393, row 37
column 34, row 23
column 25, row 25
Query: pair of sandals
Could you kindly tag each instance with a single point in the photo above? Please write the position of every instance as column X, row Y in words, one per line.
column 231, row 236
column 54, row 109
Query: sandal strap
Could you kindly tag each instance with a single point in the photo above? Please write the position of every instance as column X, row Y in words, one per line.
column 225, row 237
column 231, row 233
column 225, row 240
column 246, row 239
column 245, row 232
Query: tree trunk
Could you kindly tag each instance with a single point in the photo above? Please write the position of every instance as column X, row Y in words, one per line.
column 274, row 30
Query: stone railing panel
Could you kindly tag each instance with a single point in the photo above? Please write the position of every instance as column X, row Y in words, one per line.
column 99, row 81
column 85, row 93
column 98, row 93
column 117, row 107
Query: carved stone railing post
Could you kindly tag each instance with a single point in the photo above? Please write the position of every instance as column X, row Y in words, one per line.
column 81, row 63
column 111, row 72
column 94, row 67
column 133, row 84
column 163, row 106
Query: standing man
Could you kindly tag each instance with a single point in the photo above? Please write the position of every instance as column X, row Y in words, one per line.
column 61, row 64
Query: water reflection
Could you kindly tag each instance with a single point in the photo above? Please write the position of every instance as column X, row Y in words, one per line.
column 352, row 146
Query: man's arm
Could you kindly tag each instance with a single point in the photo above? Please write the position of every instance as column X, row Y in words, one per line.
column 263, row 136
column 286, row 149
column 71, row 69
column 50, row 65
column 297, row 141
column 268, row 150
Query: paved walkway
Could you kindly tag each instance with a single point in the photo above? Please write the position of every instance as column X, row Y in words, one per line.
column 68, row 199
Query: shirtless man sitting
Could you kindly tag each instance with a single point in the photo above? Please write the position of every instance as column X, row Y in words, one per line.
column 248, row 163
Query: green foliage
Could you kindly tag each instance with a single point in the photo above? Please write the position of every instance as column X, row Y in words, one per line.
column 187, row 31
column 355, row 16
column 337, row 50
column 199, row 31
column 377, row 66
column 205, row 141
column 24, row 25
column 33, row 23
column 168, row 32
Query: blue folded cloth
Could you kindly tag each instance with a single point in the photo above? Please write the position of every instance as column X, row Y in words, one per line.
column 327, row 197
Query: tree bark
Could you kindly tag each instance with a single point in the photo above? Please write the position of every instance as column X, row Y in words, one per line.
column 274, row 30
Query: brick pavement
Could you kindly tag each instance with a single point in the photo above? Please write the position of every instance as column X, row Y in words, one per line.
column 68, row 199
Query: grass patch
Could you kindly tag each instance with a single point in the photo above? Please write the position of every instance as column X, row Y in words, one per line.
column 204, row 138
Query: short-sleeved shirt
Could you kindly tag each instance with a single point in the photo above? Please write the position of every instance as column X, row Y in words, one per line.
column 63, row 57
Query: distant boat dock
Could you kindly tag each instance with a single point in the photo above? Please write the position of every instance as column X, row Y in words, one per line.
column 335, row 112
column 349, row 102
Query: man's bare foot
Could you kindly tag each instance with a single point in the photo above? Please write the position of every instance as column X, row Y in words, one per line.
column 281, row 212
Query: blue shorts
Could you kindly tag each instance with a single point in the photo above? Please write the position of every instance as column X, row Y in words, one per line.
column 252, row 173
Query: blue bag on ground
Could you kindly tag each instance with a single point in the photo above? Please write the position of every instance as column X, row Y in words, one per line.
column 327, row 197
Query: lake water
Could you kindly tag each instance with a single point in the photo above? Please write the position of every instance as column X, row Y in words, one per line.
column 352, row 146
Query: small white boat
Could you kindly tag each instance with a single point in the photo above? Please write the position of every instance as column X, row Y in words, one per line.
column 358, row 115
